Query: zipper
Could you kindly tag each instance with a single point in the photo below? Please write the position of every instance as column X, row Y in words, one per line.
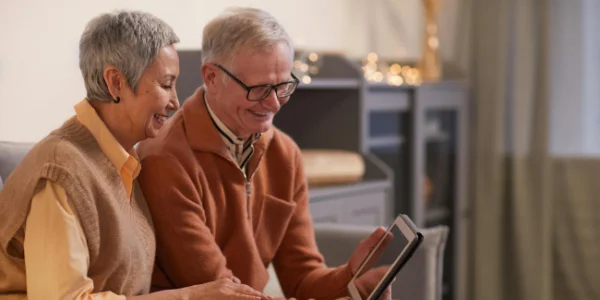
column 248, row 193
column 249, row 183
column 247, row 180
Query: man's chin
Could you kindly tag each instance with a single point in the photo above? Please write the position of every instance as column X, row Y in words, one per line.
column 264, row 127
column 260, row 127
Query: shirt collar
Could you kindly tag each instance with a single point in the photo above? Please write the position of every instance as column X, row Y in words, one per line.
column 227, row 135
column 120, row 158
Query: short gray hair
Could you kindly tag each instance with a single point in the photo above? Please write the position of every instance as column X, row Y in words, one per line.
column 239, row 27
column 128, row 40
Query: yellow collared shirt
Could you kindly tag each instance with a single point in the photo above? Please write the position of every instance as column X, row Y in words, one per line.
column 56, row 252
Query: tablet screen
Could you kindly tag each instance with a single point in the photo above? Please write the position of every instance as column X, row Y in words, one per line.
column 384, row 255
column 387, row 250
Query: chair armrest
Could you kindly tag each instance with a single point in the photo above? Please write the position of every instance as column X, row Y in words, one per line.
column 420, row 278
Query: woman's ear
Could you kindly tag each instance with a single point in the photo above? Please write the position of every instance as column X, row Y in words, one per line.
column 114, row 81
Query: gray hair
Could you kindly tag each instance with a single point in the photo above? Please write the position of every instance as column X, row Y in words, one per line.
column 128, row 40
column 239, row 27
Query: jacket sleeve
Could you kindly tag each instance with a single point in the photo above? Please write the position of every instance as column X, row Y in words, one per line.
column 299, row 265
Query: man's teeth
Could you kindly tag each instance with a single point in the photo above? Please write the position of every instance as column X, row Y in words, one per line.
column 260, row 114
column 160, row 118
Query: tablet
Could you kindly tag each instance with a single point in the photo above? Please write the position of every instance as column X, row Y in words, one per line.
column 391, row 253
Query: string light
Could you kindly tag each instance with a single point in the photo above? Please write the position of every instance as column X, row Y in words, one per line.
column 394, row 74
column 307, row 64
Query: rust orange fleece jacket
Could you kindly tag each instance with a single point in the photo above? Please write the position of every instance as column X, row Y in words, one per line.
column 209, row 227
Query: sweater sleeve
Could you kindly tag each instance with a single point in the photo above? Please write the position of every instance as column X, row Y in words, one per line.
column 298, row 263
column 56, row 252
column 187, row 252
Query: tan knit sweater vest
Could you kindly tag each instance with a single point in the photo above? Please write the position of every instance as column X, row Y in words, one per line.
column 118, row 230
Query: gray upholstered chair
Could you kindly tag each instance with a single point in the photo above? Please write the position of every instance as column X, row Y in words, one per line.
column 419, row 279
column 10, row 155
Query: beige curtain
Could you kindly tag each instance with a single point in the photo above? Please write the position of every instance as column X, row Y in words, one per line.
column 536, row 218
column 576, row 197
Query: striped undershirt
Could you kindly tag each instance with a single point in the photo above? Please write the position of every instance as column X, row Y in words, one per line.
column 240, row 150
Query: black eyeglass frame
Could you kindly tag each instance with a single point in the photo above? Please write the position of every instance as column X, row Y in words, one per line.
column 248, row 89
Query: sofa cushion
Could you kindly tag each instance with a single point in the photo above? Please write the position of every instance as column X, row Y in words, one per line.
column 10, row 155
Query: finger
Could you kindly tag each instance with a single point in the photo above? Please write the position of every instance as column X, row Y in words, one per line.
column 245, row 297
column 235, row 280
column 364, row 248
column 244, row 289
column 387, row 294
column 375, row 237
column 368, row 245
column 387, row 239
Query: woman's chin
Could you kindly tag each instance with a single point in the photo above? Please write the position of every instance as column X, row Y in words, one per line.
column 152, row 131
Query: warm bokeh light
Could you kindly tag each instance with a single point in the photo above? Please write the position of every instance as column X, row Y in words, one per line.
column 395, row 69
column 304, row 68
column 306, row 79
column 393, row 74
column 372, row 57
column 314, row 70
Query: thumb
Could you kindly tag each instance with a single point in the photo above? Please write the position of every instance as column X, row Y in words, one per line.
column 365, row 247
column 375, row 237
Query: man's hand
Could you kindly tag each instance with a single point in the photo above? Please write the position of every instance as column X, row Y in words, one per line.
column 367, row 282
column 368, row 278
column 366, row 246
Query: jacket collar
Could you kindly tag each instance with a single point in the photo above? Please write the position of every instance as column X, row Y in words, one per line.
column 202, row 134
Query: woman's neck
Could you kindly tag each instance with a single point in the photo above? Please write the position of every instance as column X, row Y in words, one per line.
column 114, row 117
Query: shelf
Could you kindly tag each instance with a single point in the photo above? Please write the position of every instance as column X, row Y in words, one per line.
column 385, row 141
column 387, row 101
column 347, row 189
column 338, row 83
column 386, row 86
column 376, row 177
column 436, row 215
column 436, row 137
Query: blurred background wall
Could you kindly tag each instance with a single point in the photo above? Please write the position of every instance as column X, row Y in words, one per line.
column 39, row 75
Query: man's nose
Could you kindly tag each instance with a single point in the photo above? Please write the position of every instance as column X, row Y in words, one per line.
column 271, row 101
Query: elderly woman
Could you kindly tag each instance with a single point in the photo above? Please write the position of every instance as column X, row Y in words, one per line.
column 74, row 225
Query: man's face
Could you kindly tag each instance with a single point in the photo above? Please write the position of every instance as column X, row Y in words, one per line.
column 241, row 116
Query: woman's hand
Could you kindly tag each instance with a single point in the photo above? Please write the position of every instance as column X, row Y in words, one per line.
column 224, row 289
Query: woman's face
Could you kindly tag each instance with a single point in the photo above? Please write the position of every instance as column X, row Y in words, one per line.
column 155, row 96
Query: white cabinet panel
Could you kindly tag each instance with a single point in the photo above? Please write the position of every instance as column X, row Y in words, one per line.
column 367, row 208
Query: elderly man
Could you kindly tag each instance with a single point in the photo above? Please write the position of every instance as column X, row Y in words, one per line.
column 226, row 189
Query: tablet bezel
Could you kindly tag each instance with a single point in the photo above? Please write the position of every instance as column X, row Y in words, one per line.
column 414, row 238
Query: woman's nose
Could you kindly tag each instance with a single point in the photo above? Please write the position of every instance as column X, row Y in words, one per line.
column 173, row 103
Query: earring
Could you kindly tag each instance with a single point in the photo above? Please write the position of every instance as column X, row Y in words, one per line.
column 117, row 100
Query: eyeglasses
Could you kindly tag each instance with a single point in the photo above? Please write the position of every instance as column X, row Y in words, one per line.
column 260, row 92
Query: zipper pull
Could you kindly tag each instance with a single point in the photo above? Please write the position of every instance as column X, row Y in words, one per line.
column 248, row 192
